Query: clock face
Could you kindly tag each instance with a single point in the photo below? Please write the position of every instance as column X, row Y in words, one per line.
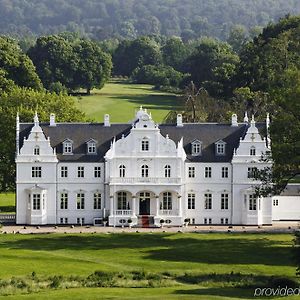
column 145, row 117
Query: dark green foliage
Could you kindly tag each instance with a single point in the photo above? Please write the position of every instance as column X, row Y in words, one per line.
column 16, row 65
column 56, row 282
column 212, row 66
column 64, row 61
column 131, row 18
column 264, row 60
column 158, row 75
column 137, row 53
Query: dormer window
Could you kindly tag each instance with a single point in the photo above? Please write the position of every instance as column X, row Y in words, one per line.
column 68, row 147
column 91, row 147
column 196, row 147
column 220, row 147
column 145, row 144
column 252, row 151
column 36, row 150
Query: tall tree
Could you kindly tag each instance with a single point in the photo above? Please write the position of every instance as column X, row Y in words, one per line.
column 93, row 65
column 212, row 66
column 132, row 54
column 17, row 65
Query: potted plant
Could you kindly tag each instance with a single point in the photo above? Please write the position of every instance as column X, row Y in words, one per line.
column 162, row 221
column 105, row 221
column 186, row 222
column 129, row 221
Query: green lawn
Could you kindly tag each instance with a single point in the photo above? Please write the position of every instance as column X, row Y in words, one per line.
column 120, row 99
column 195, row 254
column 7, row 203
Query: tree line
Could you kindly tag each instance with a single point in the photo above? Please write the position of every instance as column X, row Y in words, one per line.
column 128, row 19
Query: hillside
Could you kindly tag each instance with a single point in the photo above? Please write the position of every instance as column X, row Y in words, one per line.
column 120, row 99
column 130, row 18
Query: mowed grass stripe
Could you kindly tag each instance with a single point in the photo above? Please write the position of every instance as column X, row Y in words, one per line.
column 178, row 253
column 120, row 100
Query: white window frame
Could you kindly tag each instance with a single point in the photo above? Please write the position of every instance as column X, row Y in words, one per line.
column 220, row 148
column 36, row 172
column 167, row 171
column 64, row 199
column 191, row 172
column 145, row 145
column 80, row 201
column 91, row 147
column 252, row 202
column 252, row 151
column 144, row 171
column 97, row 172
column 224, row 201
column 36, row 201
column 80, row 171
column 36, row 150
column 122, row 171
column 97, row 200
column 191, row 200
column 67, row 147
column 225, row 172
column 196, row 148
column 208, row 201
column 166, row 203
column 64, row 171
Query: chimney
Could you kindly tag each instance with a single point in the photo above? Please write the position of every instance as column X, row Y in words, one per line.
column 234, row 122
column 106, row 120
column 179, row 120
column 52, row 120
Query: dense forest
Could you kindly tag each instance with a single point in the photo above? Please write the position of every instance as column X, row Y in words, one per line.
column 103, row 19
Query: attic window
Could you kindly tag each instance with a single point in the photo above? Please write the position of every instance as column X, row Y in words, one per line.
column 68, row 147
column 196, row 148
column 91, row 147
column 36, row 150
column 220, row 147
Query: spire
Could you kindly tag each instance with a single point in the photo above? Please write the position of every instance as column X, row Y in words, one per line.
column 246, row 119
column 252, row 121
column 36, row 119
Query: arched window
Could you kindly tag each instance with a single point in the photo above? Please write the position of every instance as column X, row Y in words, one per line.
column 36, row 150
column 122, row 201
column 167, row 171
column 122, row 170
column 252, row 151
column 145, row 171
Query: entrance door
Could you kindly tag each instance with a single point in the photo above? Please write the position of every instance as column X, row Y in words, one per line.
column 145, row 203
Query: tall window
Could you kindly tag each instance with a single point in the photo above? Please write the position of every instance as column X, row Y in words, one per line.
column 64, row 171
column 224, row 172
column 64, row 201
column 80, row 172
column 97, row 200
column 191, row 172
column 252, row 171
column 36, row 172
column 208, row 201
column 122, row 171
column 36, row 150
column 145, row 171
column 224, row 201
column 97, row 172
column 36, row 201
column 80, row 200
column 167, row 171
column 252, row 151
column 252, row 202
column 167, row 201
column 191, row 201
column 145, row 145
column 67, row 147
column 122, row 201
column 207, row 172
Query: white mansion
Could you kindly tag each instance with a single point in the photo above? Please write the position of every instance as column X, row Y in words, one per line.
column 81, row 173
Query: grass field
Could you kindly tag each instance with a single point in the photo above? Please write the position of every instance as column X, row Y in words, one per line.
column 186, row 256
column 7, row 203
column 120, row 99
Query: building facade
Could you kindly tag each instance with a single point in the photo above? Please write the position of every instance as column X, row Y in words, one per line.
column 71, row 173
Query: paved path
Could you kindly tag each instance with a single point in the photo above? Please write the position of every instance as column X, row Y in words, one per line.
column 287, row 227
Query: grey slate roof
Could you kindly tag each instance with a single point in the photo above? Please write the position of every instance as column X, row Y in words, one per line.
column 80, row 133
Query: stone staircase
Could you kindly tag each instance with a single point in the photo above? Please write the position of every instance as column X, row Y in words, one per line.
column 145, row 221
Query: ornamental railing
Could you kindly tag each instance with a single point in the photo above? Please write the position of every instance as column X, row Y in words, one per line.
column 153, row 180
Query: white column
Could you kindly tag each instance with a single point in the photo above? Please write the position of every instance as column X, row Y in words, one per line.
column 111, row 205
column 134, row 205
column 157, row 205
column 179, row 205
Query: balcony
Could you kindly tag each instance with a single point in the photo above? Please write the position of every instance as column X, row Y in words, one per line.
column 123, row 212
column 143, row 180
